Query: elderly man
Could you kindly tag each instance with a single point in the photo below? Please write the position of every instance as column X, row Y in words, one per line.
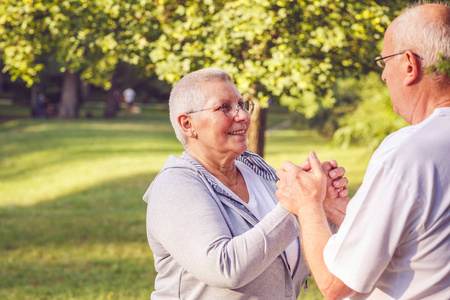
column 395, row 239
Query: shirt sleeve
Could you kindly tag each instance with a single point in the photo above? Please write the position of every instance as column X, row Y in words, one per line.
column 378, row 218
column 184, row 219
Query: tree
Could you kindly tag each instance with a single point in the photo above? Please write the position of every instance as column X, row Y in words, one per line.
column 85, row 39
column 292, row 51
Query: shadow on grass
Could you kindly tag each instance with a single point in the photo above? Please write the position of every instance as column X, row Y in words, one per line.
column 49, row 143
column 87, row 245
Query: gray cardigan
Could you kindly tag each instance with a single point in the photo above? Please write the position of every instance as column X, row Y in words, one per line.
column 207, row 245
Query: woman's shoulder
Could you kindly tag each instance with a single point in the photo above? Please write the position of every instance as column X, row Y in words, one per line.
column 175, row 174
column 176, row 169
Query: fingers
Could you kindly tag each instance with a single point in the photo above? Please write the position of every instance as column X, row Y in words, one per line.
column 288, row 166
column 335, row 183
column 341, row 186
column 340, row 183
column 326, row 166
column 316, row 166
column 306, row 166
column 297, row 187
column 336, row 172
column 342, row 192
column 333, row 192
column 333, row 163
column 331, row 167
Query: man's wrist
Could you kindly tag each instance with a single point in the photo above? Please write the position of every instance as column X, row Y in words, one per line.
column 311, row 211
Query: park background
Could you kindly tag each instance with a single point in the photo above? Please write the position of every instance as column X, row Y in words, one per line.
column 72, row 219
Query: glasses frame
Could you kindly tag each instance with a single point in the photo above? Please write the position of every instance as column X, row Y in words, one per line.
column 379, row 60
column 239, row 105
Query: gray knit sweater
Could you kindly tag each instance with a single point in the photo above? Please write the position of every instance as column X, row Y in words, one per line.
column 207, row 245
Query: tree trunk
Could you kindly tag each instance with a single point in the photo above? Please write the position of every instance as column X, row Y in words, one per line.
column 257, row 129
column 34, row 96
column 85, row 90
column 68, row 107
column 113, row 97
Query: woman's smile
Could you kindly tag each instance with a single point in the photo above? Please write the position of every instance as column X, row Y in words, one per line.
column 237, row 132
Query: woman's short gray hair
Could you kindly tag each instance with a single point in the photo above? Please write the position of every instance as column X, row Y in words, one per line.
column 426, row 36
column 187, row 95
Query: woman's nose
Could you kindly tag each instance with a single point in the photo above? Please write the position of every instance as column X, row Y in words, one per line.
column 241, row 114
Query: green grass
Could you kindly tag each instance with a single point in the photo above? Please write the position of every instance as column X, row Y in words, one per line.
column 72, row 219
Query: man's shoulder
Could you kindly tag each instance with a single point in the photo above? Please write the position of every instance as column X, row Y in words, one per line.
column 415, row 148
column 431, row 133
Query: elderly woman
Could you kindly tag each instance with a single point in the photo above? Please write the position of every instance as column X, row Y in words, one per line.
column 213, row 222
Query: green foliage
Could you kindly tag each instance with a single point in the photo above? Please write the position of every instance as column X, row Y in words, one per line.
column 83, row 36
column 290, row 50
column 443, row 66
column 373, row 119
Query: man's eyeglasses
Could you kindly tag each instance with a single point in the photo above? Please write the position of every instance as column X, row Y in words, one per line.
column 231, row 108
column 380, row 60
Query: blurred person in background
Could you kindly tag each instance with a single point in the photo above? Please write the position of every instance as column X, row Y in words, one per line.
column 129, row 96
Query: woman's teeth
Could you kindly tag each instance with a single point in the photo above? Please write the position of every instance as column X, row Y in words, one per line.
column 237, row 132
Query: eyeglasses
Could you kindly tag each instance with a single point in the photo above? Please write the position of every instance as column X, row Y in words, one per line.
column 231, row 108
column 381, row 63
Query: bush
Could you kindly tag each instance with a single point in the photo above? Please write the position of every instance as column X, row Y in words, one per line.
column 372, row 119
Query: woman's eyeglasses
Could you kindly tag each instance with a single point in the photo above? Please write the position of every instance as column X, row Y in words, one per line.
column 231, row 108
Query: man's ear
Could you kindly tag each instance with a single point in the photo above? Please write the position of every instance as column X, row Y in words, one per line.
column 413, row 68
column 185, row 122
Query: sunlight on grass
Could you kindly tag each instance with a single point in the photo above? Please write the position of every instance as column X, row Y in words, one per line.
column 47, row 161
column 51, row 182
column 72, row 219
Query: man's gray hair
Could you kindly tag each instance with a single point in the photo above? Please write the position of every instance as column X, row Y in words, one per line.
column 426, row 36
column 187, row 95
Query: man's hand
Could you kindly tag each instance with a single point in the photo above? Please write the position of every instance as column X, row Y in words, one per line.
column 336, row 182
column 304, row 193
column 297, row 188
column 335, row 203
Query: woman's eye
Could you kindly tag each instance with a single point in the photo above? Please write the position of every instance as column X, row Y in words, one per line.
column 227, row 107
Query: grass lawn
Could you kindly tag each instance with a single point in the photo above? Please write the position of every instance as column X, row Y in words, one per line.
column 72, row 219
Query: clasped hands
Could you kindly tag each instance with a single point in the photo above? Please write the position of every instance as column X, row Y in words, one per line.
column 314, row 184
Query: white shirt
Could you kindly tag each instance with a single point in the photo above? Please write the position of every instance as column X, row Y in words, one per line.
column 129, row 94
column 396, row 234
column 261, row 203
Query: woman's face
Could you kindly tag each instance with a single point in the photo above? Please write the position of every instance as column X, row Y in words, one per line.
column 219, row 136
